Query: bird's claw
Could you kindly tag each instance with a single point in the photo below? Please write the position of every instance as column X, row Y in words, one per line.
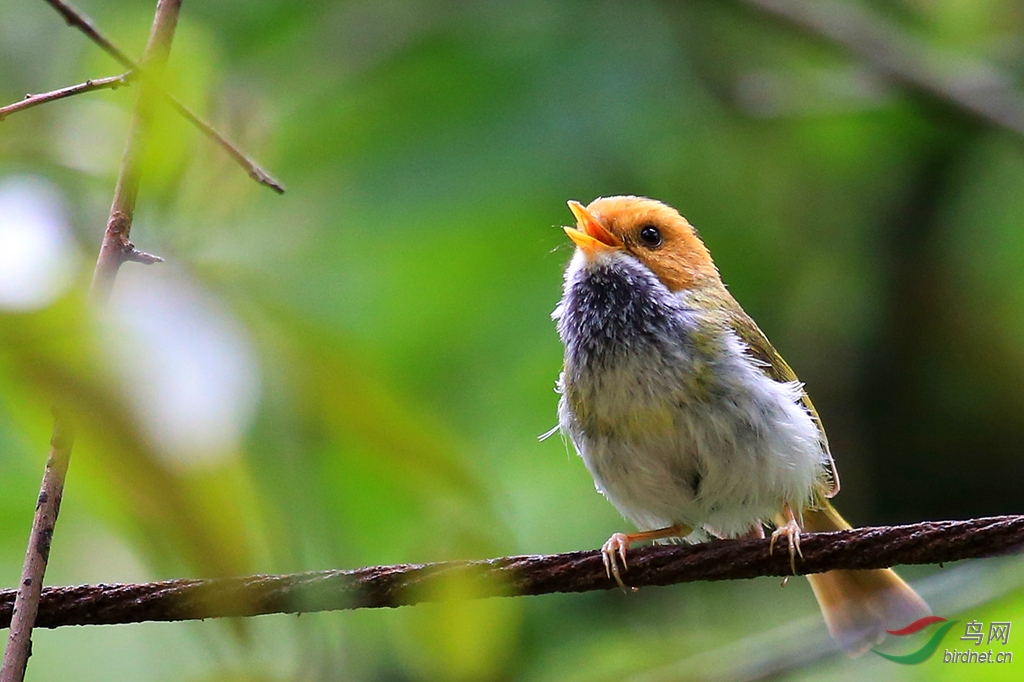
column 612, row 552
column 791, row 531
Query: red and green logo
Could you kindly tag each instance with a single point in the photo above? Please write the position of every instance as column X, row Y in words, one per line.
column 928, row 648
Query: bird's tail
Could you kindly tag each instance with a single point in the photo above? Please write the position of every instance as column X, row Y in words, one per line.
column 859, row 606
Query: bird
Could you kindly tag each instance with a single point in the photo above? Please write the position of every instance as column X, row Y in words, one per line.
column 691, row 423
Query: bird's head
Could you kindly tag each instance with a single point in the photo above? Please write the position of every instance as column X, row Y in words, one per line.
column 650, row 231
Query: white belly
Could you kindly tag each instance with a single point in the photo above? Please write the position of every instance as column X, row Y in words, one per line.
column 722, row 458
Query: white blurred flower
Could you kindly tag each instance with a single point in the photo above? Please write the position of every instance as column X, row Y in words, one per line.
column 36, row 249
column 188, row 368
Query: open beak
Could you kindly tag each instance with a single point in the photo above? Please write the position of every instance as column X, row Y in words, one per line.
column 590, row 235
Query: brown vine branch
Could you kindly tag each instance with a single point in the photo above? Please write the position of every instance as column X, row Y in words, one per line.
column 112, row 83
column 76, row 19
column 391, row 586
column 115, row 249
column 970, row 85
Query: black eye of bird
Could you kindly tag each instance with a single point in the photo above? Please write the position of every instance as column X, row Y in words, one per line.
column 650, row 236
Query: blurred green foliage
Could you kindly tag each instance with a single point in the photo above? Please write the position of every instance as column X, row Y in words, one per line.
column 395, row 306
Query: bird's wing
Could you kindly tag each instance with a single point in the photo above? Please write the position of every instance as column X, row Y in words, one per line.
column 777, row 368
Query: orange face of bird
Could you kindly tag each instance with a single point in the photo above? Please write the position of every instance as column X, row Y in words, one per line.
column 650, row 231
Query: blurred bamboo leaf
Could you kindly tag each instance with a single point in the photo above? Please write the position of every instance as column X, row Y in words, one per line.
column 387, row 468
column 55, row 356
column 458, row 636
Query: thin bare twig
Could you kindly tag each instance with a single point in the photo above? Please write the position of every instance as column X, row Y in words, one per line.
column 391, row 586
column 84, row 24
column 970, row 85
column 25, row 600
column 111, row 83
column 116, row 249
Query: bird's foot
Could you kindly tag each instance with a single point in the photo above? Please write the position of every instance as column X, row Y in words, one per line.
column 613, row 551
column 791, row 531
